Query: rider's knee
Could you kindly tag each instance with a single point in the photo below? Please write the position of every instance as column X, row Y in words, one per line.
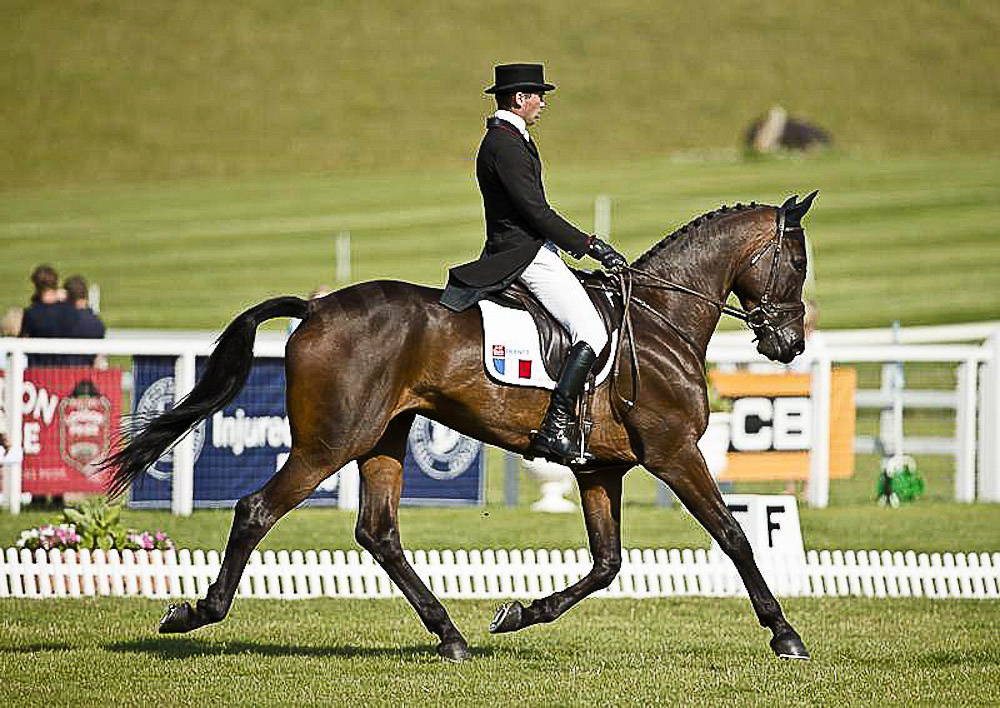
column 595, row 336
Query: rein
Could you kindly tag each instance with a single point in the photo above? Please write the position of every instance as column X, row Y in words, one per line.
column 761, row 319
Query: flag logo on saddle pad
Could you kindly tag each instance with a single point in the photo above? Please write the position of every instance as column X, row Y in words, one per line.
column 524, row 368
column 499, row 358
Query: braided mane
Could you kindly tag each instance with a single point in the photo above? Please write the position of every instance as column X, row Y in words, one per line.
column 694, row 225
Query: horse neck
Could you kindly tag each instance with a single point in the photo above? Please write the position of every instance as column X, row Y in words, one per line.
column 706, row 261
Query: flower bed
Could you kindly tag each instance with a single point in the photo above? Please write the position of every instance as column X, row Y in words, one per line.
column 93, row 525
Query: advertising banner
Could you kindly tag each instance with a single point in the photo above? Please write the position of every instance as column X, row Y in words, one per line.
column 771, row 424
column 240, row 447
column 71, row 417
column 442, row 466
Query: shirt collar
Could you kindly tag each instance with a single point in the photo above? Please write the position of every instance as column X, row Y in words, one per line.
column 515, row 120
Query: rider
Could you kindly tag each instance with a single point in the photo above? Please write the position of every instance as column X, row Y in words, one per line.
column 523, row 237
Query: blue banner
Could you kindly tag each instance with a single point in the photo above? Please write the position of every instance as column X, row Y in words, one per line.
column 442, row 466
column 240, row 447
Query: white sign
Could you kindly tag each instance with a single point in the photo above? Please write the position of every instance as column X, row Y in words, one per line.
column 771, row 523
column 780, row 424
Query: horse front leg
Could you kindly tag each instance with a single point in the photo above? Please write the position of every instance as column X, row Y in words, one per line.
column 600, row 495
column 689, row 478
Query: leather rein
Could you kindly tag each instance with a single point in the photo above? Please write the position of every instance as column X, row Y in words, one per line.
column 765, row 318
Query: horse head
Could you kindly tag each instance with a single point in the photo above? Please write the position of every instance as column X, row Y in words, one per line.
column 769, row 284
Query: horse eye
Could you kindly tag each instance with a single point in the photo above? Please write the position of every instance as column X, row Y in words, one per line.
column 799, row 264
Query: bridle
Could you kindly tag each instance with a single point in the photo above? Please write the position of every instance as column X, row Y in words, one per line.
column 765, row 319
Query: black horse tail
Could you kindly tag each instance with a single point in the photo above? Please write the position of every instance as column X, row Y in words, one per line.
column 225, row 375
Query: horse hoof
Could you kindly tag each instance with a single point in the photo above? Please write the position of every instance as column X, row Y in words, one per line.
column 507, row 618
column 455, row 651
column 788, row 645
column 177, row 618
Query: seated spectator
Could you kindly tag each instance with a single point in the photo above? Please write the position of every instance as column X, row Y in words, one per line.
column 86, row 325
column 48, row 315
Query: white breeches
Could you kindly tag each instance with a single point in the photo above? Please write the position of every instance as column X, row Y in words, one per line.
column 550, row 280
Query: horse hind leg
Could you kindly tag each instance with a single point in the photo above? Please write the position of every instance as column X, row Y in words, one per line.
column 254, row 516
column 600, row 496
column 378, row 533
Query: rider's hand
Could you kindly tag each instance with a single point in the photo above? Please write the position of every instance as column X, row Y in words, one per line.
column 611, row 259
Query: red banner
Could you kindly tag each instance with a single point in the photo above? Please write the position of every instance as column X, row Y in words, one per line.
column 71, row 414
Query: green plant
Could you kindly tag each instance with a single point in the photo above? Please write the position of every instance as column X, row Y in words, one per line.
column 97, row 523
column 899, row 481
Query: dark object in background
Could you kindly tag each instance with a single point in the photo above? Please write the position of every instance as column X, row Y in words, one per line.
column 779, row 131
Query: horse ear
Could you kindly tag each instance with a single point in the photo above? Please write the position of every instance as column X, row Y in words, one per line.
column 789, row 203
column 794, row 212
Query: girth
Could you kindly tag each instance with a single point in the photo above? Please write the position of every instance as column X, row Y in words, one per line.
column 553, row 337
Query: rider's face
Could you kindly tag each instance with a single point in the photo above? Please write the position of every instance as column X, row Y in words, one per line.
column 531, row 105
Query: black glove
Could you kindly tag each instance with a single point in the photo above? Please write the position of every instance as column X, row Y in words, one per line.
column 611, row 259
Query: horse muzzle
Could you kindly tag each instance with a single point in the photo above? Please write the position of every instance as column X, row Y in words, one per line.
column 777, row 348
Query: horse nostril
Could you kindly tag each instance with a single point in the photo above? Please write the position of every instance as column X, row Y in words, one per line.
column 798, row 347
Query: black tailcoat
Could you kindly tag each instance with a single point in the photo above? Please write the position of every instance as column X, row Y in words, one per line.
column 518, row 218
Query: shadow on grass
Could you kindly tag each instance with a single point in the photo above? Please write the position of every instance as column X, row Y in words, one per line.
column 166, row 648
column 34, row 648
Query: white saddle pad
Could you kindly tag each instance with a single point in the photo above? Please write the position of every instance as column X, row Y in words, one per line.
column 512, row 351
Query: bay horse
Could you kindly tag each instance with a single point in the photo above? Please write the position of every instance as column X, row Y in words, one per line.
column 368, row 358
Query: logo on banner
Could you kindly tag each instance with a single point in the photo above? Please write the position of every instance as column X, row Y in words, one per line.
column 84, row 427
column 762, row 423
column 499, row 358
column 440, row 452
column 524, row 368
column 157, row 399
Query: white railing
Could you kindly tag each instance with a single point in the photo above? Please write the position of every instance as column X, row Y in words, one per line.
column 976, row 445
column 495, row 574
column 977, row 397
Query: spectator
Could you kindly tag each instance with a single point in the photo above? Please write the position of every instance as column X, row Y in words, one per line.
column 86, row 323
column 48, row 315
column 10, row 325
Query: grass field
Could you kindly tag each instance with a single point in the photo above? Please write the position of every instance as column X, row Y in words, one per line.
column 193, row 159
column 105, row 92
column 912, row 239
column 681, row 651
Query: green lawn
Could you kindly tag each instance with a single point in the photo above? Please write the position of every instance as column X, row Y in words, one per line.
column 193, row 159
column 604, row 652
column 113, row 93
column 912, row 239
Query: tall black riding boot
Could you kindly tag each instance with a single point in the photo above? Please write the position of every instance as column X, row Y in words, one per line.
column 555, row 439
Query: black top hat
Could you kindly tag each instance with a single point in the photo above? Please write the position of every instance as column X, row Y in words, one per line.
column 528, row 78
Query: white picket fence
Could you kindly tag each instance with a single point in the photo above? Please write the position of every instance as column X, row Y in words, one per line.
column 494, row 574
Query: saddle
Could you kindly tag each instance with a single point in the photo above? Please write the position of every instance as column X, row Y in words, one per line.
column 553, row 337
